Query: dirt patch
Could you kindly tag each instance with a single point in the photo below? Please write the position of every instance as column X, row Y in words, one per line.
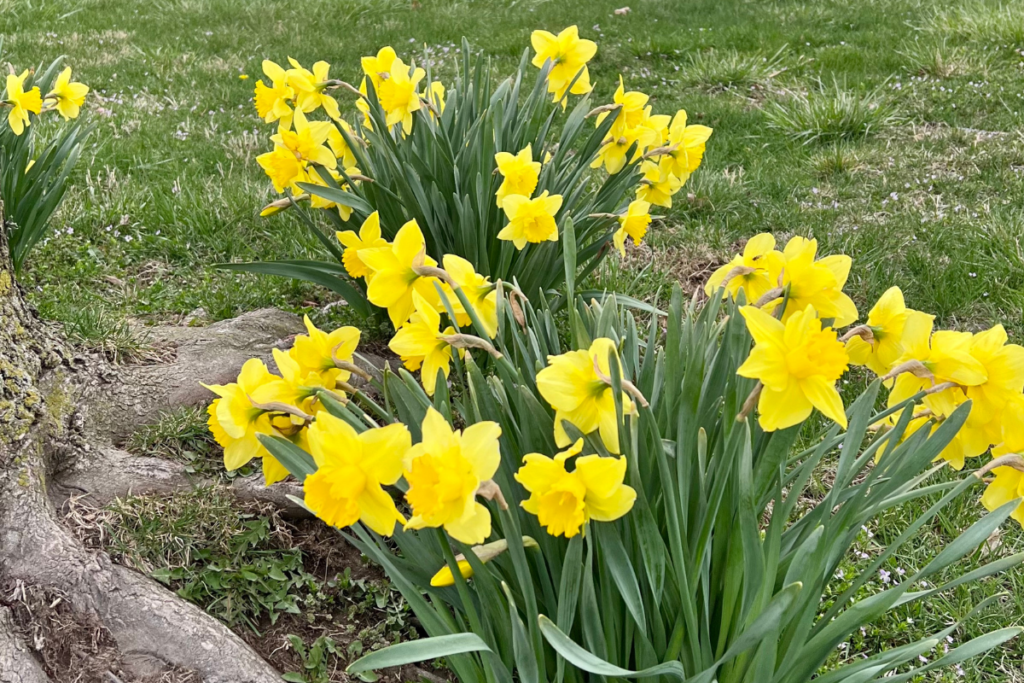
column 72, row 646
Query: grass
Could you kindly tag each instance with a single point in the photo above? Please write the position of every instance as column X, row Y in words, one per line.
column 926, row 199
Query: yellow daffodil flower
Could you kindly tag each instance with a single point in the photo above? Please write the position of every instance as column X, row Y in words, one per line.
column 944, row 356
column 798, row 363
column 418, row 342
column 310, row 88
column 633, row 224
column 658, row 184
column 564, row 502
column 307, row 140
column 568, row 54
column 485, row 553
column 1004, row 367
column 235, row 422
column 273, row 102
column 352, row 468
column 614, row 152
column 68, row 95
column 530, row 220
column 687, row 143
column 303, row 383
column 581, row 86
column 482, row 294
column 658, row 125
column 369, row 237
column 22, row 102
column 818, row 283
column 746, row 272
column 394, row 279
column 317, row 351
column 630, row 113
column 520, row 173
column 284, row 169
column 398, row 96
column 336, row 141
column 444, row 472
column 1011, row 428
column 378, row 67
column 885, row 330
column 575, row 385
column 1007, row 484
column 435, row 94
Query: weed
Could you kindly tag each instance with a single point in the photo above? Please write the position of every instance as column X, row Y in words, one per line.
column 717, row 70
column 99, row 330
column 182, row 435
column 832, row 113
column 941, row 60
column 982, row 22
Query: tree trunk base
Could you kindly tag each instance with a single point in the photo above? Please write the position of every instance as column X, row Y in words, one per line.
column 59, row 440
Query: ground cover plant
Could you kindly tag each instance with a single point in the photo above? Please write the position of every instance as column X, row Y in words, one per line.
column 925, row 198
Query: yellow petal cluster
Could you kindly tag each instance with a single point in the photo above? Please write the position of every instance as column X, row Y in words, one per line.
column 22, row 102
column 67, row 95
column 568, row 55
column 444, row 472
column 633, row 225
column 352, row 469
column 798, row 363
column 530, row 220
column 563, row 501
column 369, row 237
column 394, row 275
column 576, row 385
column 419, row 342
column 520, row 173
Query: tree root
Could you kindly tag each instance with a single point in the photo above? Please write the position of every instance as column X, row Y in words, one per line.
column 17, row 665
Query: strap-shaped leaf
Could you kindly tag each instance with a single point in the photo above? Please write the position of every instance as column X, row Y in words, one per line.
column 584, row 659
column 295, row 460
column 420, row 650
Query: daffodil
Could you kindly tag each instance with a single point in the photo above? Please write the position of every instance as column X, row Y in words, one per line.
column 630, row 113
column 1006, row 485
column 418, row 342
column 485, row 553
column 339, row 146
column 378, row 67
column 564, row 502
column 444, row 472
column 581, row 86
column 568, row 54
column 318, row 351
column 658, row 184
column 284, row 169
column 818, row 283
column 798, row 363
column 633, row 224
column 520, row 173
column 658, row 125
column 236, row 423
column 303, row 385
column 352, row 468
column 482, row 294
column 687, row 146
column 576, row 385
column 22, row 102
column 614, row 151
column 273, row 102
column 531, row 220
column 369, row 237
column 435, row 95
column 944, row 356
column 398, row 96
column 1004, row 369
column 310, row 88
column 880, row 341
column 68, row 96
column 307, row 140
column 747, row 272
column 395, row 277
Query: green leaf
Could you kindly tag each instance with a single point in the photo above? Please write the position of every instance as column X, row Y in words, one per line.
column 323, row 274
column 526, row 662
column 418, row 651
column 621, row 568
column 295, row 460
column 583, row 659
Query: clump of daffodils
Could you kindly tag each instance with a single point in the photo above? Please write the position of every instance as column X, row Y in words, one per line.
column 21, row 99
column 796, row 312
column 317, row 155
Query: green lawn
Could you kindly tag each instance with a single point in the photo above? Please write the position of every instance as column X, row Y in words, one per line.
column 888, row 129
